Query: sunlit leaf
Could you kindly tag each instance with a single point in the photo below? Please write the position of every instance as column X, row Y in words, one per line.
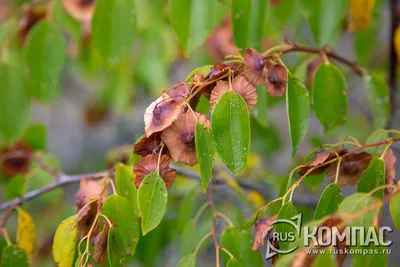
column 193, row 20
column 230, row 126
column 329, row 201
column 298, row 110
column 356, row 203
column 114, row 29
column 326, row 260
column 361, row 13
column 248, row 22
column 378, row 258
column 45, row 55
column 120, row 211
column 152, row 200
column 205, row 154
column 330, row 96
column 26, row 233
column 64, row 242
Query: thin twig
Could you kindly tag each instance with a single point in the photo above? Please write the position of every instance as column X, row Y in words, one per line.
column 296, row 48
column 62, row 180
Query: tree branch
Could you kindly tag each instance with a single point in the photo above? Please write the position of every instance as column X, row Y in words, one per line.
column 296, row 48
column 246, row 184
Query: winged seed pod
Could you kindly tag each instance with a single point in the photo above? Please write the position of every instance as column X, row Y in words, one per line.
column 241, row 86
column 179, row 137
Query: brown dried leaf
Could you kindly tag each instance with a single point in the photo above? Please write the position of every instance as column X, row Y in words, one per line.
column 148, row 164
column 254, row 62
column 321, row 156
column 33, row 13
column 86, row 218
column 15, row 159
column 220, row 43
column 149, row 145
column 179, row 138
column 241, row 86
column 390, row 161
column 276, row 80
column 311, row 70
column 100, row 245
column 262, row 229
column 88, row 190
column 161, row 114
column 350, row 169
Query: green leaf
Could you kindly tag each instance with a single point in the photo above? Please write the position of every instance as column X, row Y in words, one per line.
column 186, row 209
column 325, row 18
column 281, row 13
column 152, row 199
column 286, row 212
column 66, row 22
column 203, row 106
column 260, row 108
column 26, row 232
column 238, row 242
column 114, row 29
column 298, row 110
column 14, row 102
column 378, row 135
column 247, row 22
column 356, row 203
column 329, row 201
column 193, row 20
column 394, row 208
column 330, row 96
column 373, row 177
column 378, row 258
column 16, row 186
column 117, row 254
column 205, row 154
column 124, row 177
column 187, row 261
column 314, row 181
column 325, row 260
column 35, row 136
column 230, row 126
column 203, row 70
column 39, row 179
column 14, row 256
column 365, row 42
column 378, row 99
column 144, row 13
column 193, row 233
column 45, row 55
column 64, row 243
column 120, row 211
column 234, row 263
